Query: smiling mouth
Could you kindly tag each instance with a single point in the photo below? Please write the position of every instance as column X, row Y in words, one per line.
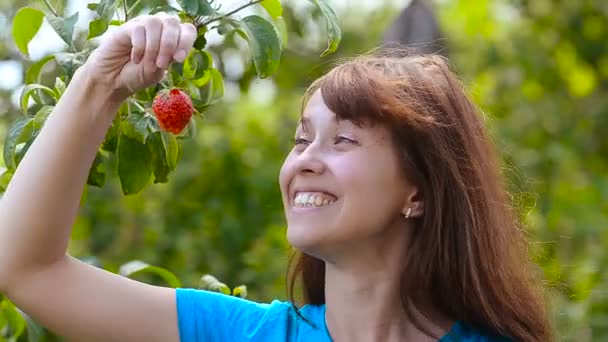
column 312, row 199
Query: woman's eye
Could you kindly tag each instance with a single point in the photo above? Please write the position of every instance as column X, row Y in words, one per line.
column 341, row 139
column 300, row 141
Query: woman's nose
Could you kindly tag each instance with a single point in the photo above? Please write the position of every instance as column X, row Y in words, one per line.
column 311, row 160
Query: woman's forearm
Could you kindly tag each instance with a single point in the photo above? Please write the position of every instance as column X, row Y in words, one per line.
column 40, row 205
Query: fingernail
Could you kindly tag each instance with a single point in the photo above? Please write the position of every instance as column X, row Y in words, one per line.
column 180, row 56
column 162, row 62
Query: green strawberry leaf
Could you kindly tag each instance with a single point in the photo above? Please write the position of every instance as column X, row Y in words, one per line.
column 105, row 10
column 134, row 165
column 72, row 61
column 15, row 322
column 59, row 87
column 97, row 173
column 211, row 91
column 19, row 133
column 41, row 116
column 27, row 92
column 139, row 126
column 189, row 6
column 135, row 8
column 111, row 141
column 264, row 43
column 33, row 73
column 273, row 7
column 196, row 64
column 332, row 24
column 5, row 178
column 59, row 6
column 201, row 41
column 26, row 24
column 165, row 151
column 136, row 267
column 64, row 27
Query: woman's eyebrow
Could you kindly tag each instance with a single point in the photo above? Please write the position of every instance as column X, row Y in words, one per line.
column 304, row 123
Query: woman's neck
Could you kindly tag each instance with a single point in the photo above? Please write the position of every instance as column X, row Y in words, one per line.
column 363, row 299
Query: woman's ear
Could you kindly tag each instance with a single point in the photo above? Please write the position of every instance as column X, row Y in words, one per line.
column 414, row 204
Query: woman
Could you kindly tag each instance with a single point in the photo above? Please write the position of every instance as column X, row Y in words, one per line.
column 391, row 194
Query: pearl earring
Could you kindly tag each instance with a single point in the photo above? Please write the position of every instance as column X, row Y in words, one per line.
column 408, row 213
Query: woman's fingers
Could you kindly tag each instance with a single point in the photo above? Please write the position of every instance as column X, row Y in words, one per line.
column 154, row 29
column 138, row 43
column 160, row 39
column 168, row 41
column 186, row 40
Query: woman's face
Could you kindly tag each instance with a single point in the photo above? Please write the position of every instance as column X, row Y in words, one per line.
column 341, row 184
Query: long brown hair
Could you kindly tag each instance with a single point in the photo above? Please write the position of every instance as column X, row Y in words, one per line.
column 467, row 255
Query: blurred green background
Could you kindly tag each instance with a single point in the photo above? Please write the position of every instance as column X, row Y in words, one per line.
column 538, row 69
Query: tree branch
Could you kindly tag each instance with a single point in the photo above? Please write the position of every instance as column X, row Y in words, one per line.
column 250, row 3
column 48, row 4
column 124, row 5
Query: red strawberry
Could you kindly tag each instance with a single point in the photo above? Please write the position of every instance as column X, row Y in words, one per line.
column 173, row 109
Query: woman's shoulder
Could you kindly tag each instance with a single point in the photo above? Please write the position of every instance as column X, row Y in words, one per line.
column 461, row 332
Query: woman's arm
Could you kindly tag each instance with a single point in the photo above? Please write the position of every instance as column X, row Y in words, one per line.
column 40, row 204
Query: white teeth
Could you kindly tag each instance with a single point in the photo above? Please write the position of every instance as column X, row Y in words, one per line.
column 318, row 201
column 308, row 199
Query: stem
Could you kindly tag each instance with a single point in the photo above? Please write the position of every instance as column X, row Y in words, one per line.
column 250, row 3
column 48, row 4
column 124, row 5
column 136, row 104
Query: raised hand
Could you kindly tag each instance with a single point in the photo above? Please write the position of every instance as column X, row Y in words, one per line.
column 137, row 54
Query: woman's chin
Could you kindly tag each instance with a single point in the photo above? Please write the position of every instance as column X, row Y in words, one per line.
column 303, row 239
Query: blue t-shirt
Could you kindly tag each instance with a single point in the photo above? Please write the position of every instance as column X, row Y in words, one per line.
column 211, row 316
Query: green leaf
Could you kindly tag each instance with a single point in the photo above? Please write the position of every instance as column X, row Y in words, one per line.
column 197, row 63
column 139, row 125
column 273, row 7
column 16, row 323
column 64, row 27
column 97, row 173
column 205, row 8
column 134, row 165
column 281, row 27
column 165, row 8
column 97, row 28
column 21, row 149
column 33, row 73
column 165, row 151
column 105, row 11
column 212, row 90
column 189, row 6
column 59, row 6
column 41, row 116
column 264, row 43
column 201, row 41
column 332, row 24
column 5, row 178
column 111, row 141
column 59, row 87
column 136, row 267
column 135, row 8
column 72, row 61
column 19, row 133
column 27, row 92
column 26, row 24
column 35, row 332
